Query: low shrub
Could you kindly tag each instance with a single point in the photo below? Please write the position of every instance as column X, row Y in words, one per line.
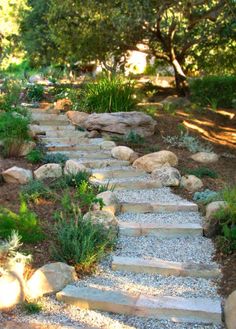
column 35, row 93
column 205, row 196
column 35, row 190
column 14, row 132
column 31, row 308
column 59, row 158
column 25, row 222
column 11, row 96
column 35, row 156
column 201, row 172
column 108, row 95
column 70, row 180
column 219, row 91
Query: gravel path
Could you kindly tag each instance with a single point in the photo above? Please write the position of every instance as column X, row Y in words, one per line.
column 163, row 194
column 162, row 218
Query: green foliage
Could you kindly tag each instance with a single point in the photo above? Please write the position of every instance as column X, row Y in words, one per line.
column 134, row 138
column 220, row 90
column 31, row 308
column 108, row 95
column 35, row 190
column 35, row 93
column 205, row 196
column 59, row 158
column 35, row 156
column 201, row 172
column 14, row 132
column 25, row 222
column 70, row 180
column 80, row 242
column 72, row 94
column 226, row 217
column 11, row 95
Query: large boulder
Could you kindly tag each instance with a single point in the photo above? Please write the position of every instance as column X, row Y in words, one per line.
column 103, row 217
column 205, row 157
column 17, row 175
column 63, row 105
column 122, row 153
column 191, row 183
column 77, row 118
column 168, row 176
column 121, row 123
column 49, row 170
column 110, row 200
column 50, row 278
column 211, row 224
column 152, row 161
column 230, row 311
column 73, row 167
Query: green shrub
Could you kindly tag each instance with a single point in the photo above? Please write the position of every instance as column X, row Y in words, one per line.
column 25, row 222
column 108, row 95
column 35, row 190
column 35, row 156
column 220, row 91
column 81, row 243
column 35, row 93
column 31, row 308
column 14, row 132
column 10, row 98
column 226, row 217
column 59, row 158
column 201, row 172
column 205, row 196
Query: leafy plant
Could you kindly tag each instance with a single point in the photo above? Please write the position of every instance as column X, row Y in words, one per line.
column 31, row 308
column 134, row 138
column 201, row 172
column 10, row 98
column 205, row 196
column 59, row 158
column 35, row 190
column 25, row 222
column 14, row 132
column 35, row 156
column 35, row 93
column 108, row 95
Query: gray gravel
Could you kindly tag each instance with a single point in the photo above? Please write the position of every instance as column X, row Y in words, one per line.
column 163, row 194
column 183, row 249
column 162, row 218
column 144, row 178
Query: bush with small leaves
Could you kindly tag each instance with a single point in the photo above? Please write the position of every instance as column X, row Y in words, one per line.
column 206, row 196
column 59, row 158
column 31, row 308
column 35, row 190
column 35, row 156
column 201, row 172
column 35, row 93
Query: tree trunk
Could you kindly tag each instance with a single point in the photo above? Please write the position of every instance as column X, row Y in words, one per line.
column 180, row 79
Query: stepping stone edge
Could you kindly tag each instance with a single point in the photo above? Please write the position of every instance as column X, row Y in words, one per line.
column 175, row 309
column 149, row 207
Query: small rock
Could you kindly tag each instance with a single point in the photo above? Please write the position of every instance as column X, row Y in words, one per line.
column 17, row 175
column 230, row 311
column 122, row 153
column 156, row 160
column 50, row 278
column 102, row 217
column 93, row 134
column 26, row 148
column 108, row 145
column 77, row 118
column 211, row 224
column 73, row 167
column 111, row 202
column 49, row 170
column 205, row 157
column 35, row 78
column 63, row 105
column 168, row 176
column 191, row 183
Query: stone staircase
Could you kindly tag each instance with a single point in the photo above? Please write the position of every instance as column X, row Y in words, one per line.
column 162, row 270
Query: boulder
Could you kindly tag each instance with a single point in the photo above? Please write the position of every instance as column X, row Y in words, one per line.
column 36, row 78
column 17, row 175
column 108, row 145
column 176, row 101
column 122, row 153
column 168, row 176
column 230, row 311
column 111, row 202
column 73, row 167
column 156, row 160
column 50, row 278
column 102, row 217
column 211, row 224
column 49, row 170
column 63, row 105
column 77, row 118
column 26, row 148
column 121, row 123
column 205, row 157
column 191, row 183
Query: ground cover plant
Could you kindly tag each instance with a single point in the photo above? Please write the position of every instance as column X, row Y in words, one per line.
column 201, row 172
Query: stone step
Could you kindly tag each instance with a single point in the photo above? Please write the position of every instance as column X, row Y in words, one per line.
column 27, row 325
column 146, row 207
column 64, row 133
column 104, row 174
column 152, row 229
column 79, row 139
column 164, row 267
column 129, row 184
column 105, row 163
column 176, row 309
column 48, row 116
column 72, row 147
column 48, row 129
column 86, row 154
column 50, row 123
